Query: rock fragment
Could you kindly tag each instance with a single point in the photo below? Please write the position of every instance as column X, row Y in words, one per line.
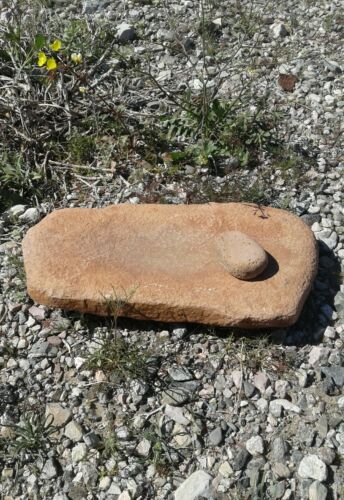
column 311, row 467
column 194, row 486
column 59, row 414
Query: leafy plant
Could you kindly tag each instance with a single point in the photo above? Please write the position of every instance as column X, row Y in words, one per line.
column 82, row 148
column 111, row 446
column 51, row 87
column 220, row 128
column 31, row 437
column 17, row 179
column 123, row 360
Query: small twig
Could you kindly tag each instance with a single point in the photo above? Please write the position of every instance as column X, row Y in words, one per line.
column 67, row 346
column 148, row 415
column 64, row 166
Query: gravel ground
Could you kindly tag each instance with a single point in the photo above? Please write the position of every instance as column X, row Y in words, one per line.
column 187, row 411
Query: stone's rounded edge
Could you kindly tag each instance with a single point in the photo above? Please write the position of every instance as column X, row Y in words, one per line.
column 241, row 255
column 151, row 312
column 310, row 273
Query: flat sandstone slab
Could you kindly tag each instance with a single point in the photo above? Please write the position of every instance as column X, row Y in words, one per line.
column 169, row 263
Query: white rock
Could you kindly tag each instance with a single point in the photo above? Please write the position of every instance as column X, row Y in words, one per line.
column 340, row 402
column 125, row 495
column 114, row 489
column 237, row 378
column 331, row 241
column 329, row 99
column 78, row 361
column 104, row 483
column 318, row 355
column 317, row 491
column 314, row 210
column 195, row 485
column 281, row 388
column 183, row 440
column 11, row 363
column 277, row 404
column 279, row 30
column 330, row 333
column 225, row 469
column 143, row 448
column 164, row 336
column 22, row 343
column 49, row 470
column 165, row 35
column 79, row 452
column 262, row 405
column 197, row 84
column 217, row 21
column 255, row 446
column 125, row 33
column 315, row 98
column 311, row 467
column 316, row 227
column 181, row 436
column 73, row 431
column 176, row 414
column 16, row 211
column 31, row 216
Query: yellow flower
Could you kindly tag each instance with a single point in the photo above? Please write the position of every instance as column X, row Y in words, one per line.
column 51, row 64
column 82, row 89
column 56, row 45
column 42, row 59
column 76, row 58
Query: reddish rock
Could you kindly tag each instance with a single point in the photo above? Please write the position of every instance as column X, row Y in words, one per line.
column 37, row 312
column 165, row 262
column 287, row 82
column 54, row 340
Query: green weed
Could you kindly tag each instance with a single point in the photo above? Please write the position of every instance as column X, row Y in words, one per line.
column 17, row 262
column 30, row 438
column 17, row 179
column 82, row 148
column 123, row 360
column 218, row 128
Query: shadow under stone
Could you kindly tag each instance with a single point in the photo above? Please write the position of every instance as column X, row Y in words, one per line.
column 271, row 270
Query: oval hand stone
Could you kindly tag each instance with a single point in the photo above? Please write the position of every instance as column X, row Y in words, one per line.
column 240, row 255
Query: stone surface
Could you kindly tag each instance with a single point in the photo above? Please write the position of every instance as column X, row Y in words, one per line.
column 31, row 215
column 176, row 414
column 255, row 446
column 59, row 414
column 164, row 262
column 73, row 431
column 317, row 491
column 311, row 467
column 277, row 404
column 225, row 469
column 216, row 436
column 240, row 459
column 194, row 486
column 79, row 452
column 126, row 33
column 241, row 256
column 143, row 448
